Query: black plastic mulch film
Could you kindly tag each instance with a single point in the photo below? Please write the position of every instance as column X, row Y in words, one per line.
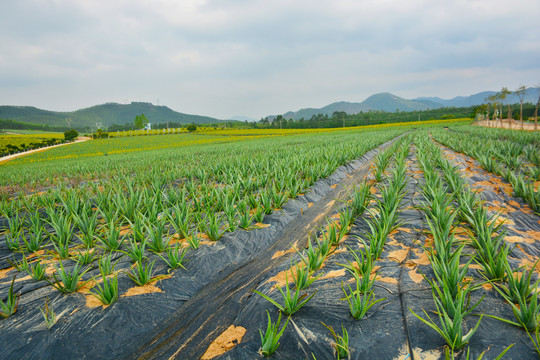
column 150, row 325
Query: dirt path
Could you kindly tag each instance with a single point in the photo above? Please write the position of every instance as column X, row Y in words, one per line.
column 514, row 125
column 11, row 157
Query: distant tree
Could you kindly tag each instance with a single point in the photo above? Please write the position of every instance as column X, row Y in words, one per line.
column 191, row 127
column 140, row 121
column 504, row 98
column 279, row 119
column 520, row 93
column 71, row 134
column 536, row 109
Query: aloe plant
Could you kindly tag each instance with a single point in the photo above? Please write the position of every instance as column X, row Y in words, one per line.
column 341, row 342
column 157, row 239
column 48, row 315
column 88, row 228
column 86, row 257
column 135, row 250
column 213, row 227
column 107, row 292
column 68, row 281
column 141, row 274
column 519, row 283
column 35, row 239
column 270, row 339
column 360, row 199
column 111, row 239
column 303, row 277
column 106, row 267
column 526, row 311
column 245, row 217
column 21, row 265
column 193, row 240
column 364, row 261
column 37, row 271
column 291, row 302
column 9, row 307
column 175, row 257
column 450, row 329
column 314, row 257
column 361, row 299
column 15, row 232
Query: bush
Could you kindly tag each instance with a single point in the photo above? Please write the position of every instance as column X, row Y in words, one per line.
column 191, row 128
column 71, row 134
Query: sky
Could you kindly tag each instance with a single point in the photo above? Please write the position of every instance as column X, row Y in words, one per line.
column 223, row 58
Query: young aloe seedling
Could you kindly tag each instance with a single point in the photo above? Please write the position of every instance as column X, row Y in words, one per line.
column 175, row 257
column 10, row 306
column 360, row 300
column 519, row 283
column 68, row 282
column 303, row 276
column 21, row 265
column 142, row 273
column 270, row 340
column 291, row 303
column 86, row 257
column 450, row 329
column 364, row 262
column 111, row 239
column 48, row 315
column 107, row 293
column 135, row 250
column 193, row 239
column 315, row 257
column 105, row 264
column 157, row 242
column 37, row 271
column 341, row 344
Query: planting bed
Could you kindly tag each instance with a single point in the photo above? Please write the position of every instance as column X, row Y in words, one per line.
column 230, row 289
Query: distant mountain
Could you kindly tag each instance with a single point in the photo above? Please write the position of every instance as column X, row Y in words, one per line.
column 241, row 118
column 106, row 114
column 531, row 96
column 392, row 103
column 382, row 102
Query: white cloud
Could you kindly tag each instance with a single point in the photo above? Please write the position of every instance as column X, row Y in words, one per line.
column 227, row 57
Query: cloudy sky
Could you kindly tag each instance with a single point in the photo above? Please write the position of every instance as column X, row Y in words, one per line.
column 257, row 57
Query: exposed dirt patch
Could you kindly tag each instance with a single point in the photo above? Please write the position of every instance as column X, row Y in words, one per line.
column 225, row 342
column 140, row 290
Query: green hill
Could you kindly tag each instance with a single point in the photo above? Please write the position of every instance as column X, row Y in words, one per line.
column 390, row 103
column 106, row 114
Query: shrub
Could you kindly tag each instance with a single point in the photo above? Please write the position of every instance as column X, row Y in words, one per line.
column 71, row 134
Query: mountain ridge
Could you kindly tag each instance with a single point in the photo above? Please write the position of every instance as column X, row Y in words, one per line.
column 105, row 114
column 392, row 103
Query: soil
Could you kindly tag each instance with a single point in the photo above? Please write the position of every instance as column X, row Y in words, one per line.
column 513, row 125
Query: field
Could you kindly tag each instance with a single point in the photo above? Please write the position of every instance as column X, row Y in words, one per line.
column 416, row 241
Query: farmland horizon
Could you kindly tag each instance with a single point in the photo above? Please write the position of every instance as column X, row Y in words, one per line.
column 384, row 101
